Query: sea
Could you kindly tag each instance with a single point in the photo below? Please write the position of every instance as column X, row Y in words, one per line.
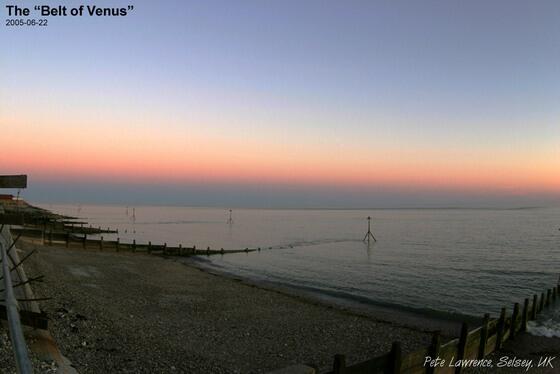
column 452, row 262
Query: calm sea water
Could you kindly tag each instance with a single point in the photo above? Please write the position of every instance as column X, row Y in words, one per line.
column 463, row 261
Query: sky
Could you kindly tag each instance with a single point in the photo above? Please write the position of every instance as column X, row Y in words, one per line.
column 287, row 104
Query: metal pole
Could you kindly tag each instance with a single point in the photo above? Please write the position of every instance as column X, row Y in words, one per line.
column 23, row 364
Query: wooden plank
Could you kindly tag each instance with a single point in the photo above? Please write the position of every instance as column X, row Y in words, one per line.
column 505, row 336
column 449, row 350
column 414, row 360
column 13, row 181
column 490, row 345
column 471, row 349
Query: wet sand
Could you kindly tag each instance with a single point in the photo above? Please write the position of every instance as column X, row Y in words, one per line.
column 138, row 313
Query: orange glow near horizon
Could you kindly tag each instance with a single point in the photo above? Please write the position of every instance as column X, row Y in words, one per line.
column 113, row 153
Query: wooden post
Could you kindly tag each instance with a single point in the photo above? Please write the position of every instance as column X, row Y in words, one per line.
column 149, row 247
column 500, row 329
column 164, row 248
column 194, row 249
column 396, row 357
column 84, row 241
column 101, row 244
column 535, row 306
column 548, row 297
column 541, row 307
column 514, row 317
column 525, row 316
column 462, row 345
column 483, row 336
column 434, row 349
column 208, row 251
column 134, row 245
column 339, row 365
column 180, row 249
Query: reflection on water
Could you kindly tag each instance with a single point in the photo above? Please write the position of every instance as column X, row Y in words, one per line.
column 451, row 260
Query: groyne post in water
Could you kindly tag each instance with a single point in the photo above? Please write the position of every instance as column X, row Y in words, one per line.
column 525, row 316
column 535, row 306
column 514, row 320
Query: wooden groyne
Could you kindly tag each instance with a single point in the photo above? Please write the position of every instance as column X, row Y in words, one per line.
column 54, row 229
column 471, row 344
column 74, row 240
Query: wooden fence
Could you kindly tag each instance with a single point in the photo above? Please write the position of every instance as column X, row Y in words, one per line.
column 473, row 344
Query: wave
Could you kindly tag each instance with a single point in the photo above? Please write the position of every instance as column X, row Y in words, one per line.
column 547, row 325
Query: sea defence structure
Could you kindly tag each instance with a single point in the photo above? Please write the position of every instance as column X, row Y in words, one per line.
column 472, row 344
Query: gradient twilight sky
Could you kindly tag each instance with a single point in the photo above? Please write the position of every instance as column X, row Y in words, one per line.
column 287, row 103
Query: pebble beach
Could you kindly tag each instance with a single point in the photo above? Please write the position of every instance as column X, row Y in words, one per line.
column 134, row 313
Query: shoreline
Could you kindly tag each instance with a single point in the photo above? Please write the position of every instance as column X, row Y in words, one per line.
column 397, row 316
column 123, row 312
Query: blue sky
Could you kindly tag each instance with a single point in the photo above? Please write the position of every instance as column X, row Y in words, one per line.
column 435, row 84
